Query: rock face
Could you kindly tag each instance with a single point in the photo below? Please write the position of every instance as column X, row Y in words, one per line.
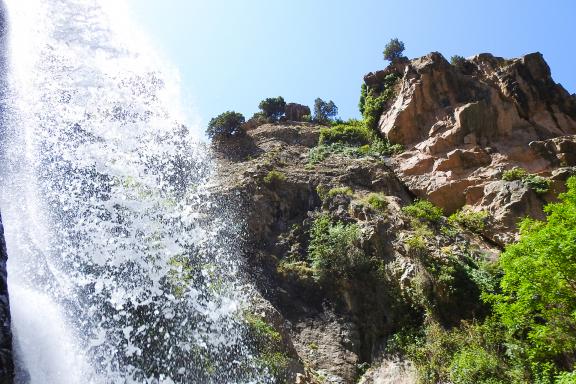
column 6, row 362
column 464, row 125
column 334, row 328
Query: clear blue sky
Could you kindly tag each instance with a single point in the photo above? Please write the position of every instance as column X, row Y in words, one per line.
column 233, row 53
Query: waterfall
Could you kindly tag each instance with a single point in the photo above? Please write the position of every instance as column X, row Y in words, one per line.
column 122, row 266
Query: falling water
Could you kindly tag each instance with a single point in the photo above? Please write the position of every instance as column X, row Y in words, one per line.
column 122, row 267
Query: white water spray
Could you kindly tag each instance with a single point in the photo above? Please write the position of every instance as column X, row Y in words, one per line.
column 122, row 269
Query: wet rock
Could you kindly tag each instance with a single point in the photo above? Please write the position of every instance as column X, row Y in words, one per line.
column 6, row 361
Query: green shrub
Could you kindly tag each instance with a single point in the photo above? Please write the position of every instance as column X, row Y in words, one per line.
column 374, row 101
column 273, row 107
column 417, row 241
column 475, row 221
column 424, row 210
column 377, row 201
column 378, row 149
column 393, row 50
column 226, row 124
column 538, row 184
column 458, row 61
column 474, row 365
column 299, row 270
column 324, row 111
column 362, row 101
column 344, row 191
column 264, row 332
column 514, row 174
column 346, row 134
column 538, row 299
column 382, row 148
column 274, row 177
column 566, row 378
column 334, row 252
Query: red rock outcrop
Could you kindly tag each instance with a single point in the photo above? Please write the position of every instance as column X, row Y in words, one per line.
column 463, row 125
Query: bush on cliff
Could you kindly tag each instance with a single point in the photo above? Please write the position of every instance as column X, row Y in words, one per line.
column 334, row 250
column 393, row 50
column 538, row 301
column 324, row 111
column 226, row 124
column 373, row 101
column 530, row 336
column 273, row 108
column 537, row 183
column 350, row 134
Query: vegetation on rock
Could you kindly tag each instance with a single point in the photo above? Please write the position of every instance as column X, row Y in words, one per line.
column 324, row 111
column 273, row 108
column 227, row 124
column 424, row 210
column 393, row 50
column 537, row 183
column 373, row 101
column 475, row 221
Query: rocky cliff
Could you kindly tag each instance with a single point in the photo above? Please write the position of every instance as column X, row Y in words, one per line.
column 464, row 125
column 343, row 253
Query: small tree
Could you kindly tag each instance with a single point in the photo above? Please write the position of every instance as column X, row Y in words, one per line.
column 226, row 124
column 324, row 111
column 273, row 107
column 393, row 50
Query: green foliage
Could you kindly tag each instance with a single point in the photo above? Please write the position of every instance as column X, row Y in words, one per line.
column 272, row 357
column 514, row 174
column 382, row 148
column 377, row 201
column 362, row 101
column 276, row 363
column 334, row 251
column 566, row 378
column 474, row 365
column 324, row 111
column 273, row 178
column 393, row 50
column 344, row 191
column 273, row 107
column 261, row 330
column 417, row 241
column 467, row 354
column 423, row 210
column 374, row 101
column 475, row 221
column 346, row 134
column 226, row 124
column 538, row 184
column 458, row 61
column 538, row 300
column 378, row 149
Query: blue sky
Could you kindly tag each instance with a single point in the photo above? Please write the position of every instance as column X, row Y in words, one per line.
column 233, row 53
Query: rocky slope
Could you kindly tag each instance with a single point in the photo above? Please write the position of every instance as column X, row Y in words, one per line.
column 462, row 127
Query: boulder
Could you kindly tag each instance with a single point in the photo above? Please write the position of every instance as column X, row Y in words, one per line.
column 296, row 112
